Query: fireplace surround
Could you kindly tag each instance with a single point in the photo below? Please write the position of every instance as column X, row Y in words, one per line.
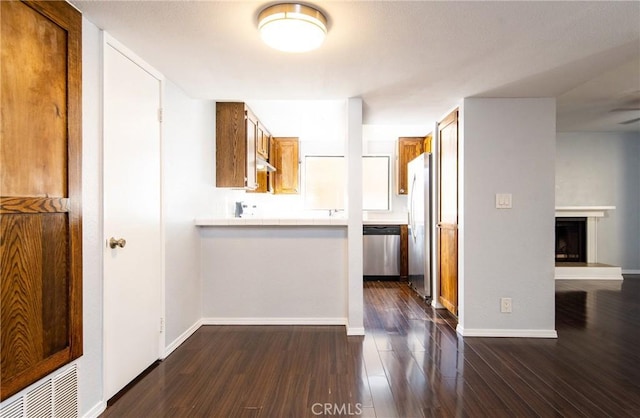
column 590, row 268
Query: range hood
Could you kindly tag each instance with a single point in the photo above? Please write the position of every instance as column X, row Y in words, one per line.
column 263, row 165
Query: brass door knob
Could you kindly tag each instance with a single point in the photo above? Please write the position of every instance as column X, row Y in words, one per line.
column 113, row 243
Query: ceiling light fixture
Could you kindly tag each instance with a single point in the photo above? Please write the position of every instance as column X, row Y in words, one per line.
column 292, row 27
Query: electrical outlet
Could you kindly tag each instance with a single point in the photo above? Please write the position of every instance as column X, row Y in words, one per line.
column 505, row 305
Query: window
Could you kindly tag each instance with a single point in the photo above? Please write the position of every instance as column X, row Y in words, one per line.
column 325, row 182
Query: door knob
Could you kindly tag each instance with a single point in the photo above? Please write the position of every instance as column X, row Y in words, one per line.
column 113, row 243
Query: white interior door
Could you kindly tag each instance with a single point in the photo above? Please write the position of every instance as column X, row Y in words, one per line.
column 132, row 211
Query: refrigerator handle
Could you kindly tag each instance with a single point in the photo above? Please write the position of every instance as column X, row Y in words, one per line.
column 412, row 206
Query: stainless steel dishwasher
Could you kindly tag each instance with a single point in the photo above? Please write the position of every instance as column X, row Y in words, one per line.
column 381, row 257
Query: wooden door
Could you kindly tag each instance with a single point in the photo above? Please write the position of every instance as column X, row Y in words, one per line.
column 40, row 206
column 408, row 149
column 448, row 212
column 132, row 211
column 285, row 157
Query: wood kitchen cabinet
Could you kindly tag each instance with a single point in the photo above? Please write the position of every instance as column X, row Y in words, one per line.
column 284, row 156
column 427, row 143
column 262, row 141
column 236, row 132
column 404, row 251
column 263, row 183
column 408, row 149
column 264, row 179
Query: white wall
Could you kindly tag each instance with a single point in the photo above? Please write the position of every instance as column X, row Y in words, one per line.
column 188, row 144
column 264, row 275
column 355, row 325
column 603, row 169
column 90, row 364
column 508, row 146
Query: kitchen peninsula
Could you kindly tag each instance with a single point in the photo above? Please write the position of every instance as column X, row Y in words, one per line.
column 271, row 271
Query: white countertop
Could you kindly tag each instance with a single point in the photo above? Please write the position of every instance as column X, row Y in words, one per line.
column 337, row 221
column 384, row 222
column 271, row 221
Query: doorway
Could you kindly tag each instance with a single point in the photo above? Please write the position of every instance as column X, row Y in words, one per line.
column 447, row 225
column 132, row 217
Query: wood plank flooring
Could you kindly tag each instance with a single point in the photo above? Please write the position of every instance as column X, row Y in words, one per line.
column 411, row 363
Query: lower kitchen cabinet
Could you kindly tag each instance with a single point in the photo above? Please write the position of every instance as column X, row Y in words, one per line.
column 404, row 251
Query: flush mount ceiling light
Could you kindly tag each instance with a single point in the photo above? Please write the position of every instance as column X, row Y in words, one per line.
column 292, row 27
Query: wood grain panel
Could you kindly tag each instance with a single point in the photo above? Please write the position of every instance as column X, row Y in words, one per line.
column 448, row 250
column 404, row 251
column 55, row 283
column 21, row 289
column 33, row 205
column 448, row 211
column 285, row 157
column 289, row 159
column 231, row 146
column 408, row 149
column 34, row 91
column 262, row 178
column 428, row 143
column 40, row 185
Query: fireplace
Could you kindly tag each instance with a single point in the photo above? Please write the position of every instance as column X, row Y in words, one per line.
column 577, row 244
column 571, row 240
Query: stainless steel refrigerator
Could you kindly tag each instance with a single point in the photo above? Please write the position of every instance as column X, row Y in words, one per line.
column 420, row 242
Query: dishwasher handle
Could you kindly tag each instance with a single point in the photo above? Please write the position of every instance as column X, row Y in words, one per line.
column 381, row 230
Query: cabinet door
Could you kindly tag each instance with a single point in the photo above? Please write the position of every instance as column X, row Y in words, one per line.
column 408, row 149
column 251, row 175
column 284, row 156
column 427, row 144
column 231, row 144
column 263, row 183
column 40, row 206
column 262, row 141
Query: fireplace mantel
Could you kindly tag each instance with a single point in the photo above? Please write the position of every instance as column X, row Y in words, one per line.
column 582, row 211
column 594, row 271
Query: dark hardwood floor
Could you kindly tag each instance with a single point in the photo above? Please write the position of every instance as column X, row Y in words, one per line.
column 411, row 363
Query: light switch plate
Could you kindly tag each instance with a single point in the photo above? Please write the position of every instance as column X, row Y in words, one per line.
column 503, row 201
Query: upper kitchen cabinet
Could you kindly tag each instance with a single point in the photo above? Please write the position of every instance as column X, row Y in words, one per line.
column 236, row 132
column 284, row 156
column 427, row 144
column 262, row 141
column 408, row 149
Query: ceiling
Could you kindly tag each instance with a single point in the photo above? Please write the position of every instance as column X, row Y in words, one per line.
column 409, row 61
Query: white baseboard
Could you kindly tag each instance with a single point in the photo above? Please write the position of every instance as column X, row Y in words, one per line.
column 274, row 321
column 182, row 338
column 630, row 271
column 437, row 305
column 589, row 273
column 507, row 333
column 97, row 409
column 352, row 331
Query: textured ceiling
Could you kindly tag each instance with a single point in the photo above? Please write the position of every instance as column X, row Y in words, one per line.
column 409, row 61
